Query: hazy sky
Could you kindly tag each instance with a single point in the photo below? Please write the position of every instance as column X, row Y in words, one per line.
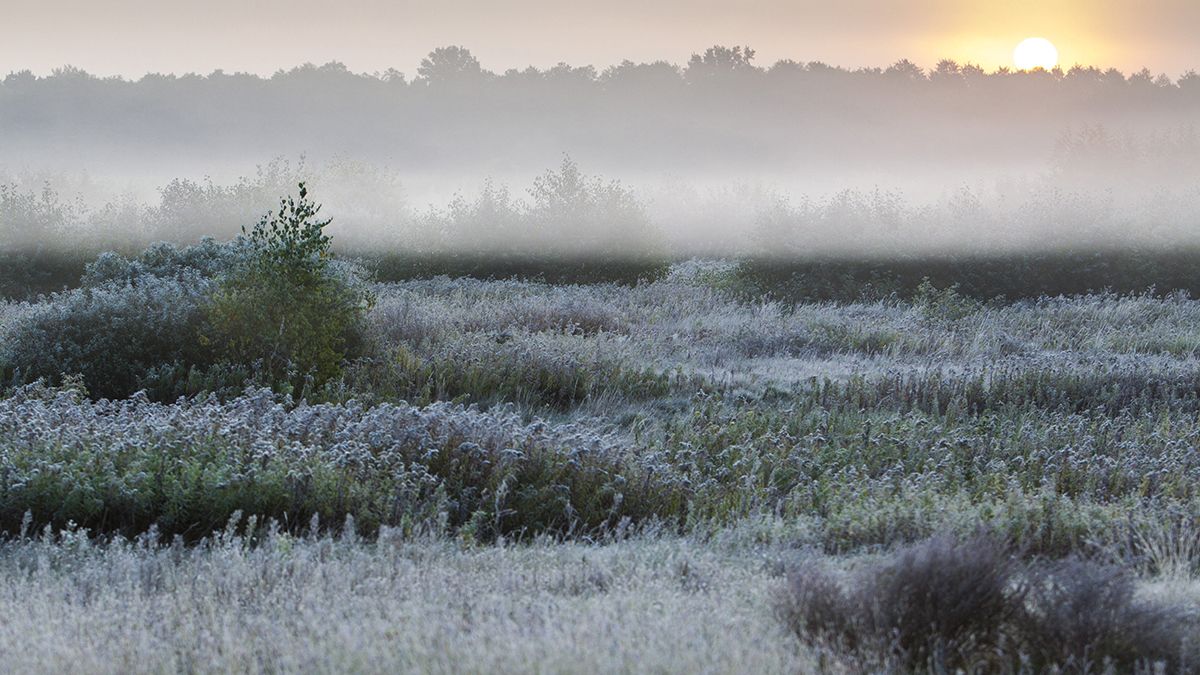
column 132, row 37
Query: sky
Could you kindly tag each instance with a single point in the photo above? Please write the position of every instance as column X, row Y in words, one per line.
column 133, row 37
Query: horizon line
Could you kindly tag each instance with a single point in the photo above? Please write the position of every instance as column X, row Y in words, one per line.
column 335, row 64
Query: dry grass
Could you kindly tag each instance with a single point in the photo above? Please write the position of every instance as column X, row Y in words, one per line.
column 295, row 605
column 648, row 604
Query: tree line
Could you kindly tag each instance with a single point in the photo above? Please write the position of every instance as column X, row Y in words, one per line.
column 721, row 109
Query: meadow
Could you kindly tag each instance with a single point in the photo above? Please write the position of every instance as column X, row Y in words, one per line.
column 678, row 474
column 718, row 366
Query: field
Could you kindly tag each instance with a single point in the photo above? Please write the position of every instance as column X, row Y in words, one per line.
column 673, row 475
column 327, row 350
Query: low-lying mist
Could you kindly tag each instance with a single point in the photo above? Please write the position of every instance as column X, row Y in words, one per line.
column 565, row 210
column 719, row 157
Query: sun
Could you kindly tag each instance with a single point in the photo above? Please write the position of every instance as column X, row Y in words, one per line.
column 1035, row 52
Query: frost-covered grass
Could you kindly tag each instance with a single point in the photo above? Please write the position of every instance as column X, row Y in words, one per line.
column 1064, row 427
column 10, row 312
column 688, row 320
column 336, row 606
column 394, row 604
column 876, row 422
column 185, row 468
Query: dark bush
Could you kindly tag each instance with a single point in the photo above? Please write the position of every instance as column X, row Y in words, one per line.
column 816, row 605
column 944, row 606
column 941, row 602
column 111, row 334
column 1084, row 616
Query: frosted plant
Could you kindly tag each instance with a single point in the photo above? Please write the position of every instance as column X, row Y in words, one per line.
column 186, row 466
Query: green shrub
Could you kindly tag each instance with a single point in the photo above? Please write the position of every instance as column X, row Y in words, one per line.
column 943, row 304
column 287, row 307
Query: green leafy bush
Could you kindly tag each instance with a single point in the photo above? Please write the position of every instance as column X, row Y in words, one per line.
column 287, row 307
column 943, row 304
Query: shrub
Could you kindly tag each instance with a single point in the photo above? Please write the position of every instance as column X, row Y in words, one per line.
column 208, row 259
column 1084, row 616
column 942, row 601
column 945, row 605
column 939, row 602
column 287, row 307
column 110, row 334
column 943, row 304
column 719, row 275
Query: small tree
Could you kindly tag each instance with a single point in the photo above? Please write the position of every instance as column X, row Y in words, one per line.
column 288, row 308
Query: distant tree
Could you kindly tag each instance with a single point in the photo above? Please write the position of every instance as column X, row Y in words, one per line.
column 20, row 78
column 489, row 223
column 69, row 73
column 947, row 73
column 447, row 65
column 717, row 108
column 787, row 66
column 565, row 74
column 905, row 70
column 718, row 61
column 973, row 75
column 1114, row 76
column 32, row 219
column 1190, row 83
column 393, row 76
column 1142, row 78
column 580, row 213
column 649, row 77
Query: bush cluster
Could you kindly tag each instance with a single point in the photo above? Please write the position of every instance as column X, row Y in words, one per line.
column 270, row 308
column 208, row 259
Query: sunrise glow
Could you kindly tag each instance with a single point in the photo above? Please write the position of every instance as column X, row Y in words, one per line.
column 1034, row 53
